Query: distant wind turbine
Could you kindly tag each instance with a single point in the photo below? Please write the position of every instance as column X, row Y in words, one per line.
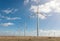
column 25, row 29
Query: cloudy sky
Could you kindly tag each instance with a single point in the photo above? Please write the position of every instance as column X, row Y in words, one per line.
column 15, row 15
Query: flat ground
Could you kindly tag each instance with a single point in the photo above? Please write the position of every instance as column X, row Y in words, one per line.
column 21, row 38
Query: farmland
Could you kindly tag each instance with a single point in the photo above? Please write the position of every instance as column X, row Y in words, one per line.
column 28, row 38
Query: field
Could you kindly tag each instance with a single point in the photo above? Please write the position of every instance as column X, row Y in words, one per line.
column 29, row 38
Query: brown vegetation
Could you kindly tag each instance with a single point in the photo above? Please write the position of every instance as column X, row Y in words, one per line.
column 21, row 38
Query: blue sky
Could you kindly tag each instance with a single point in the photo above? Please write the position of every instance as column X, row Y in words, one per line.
column 16, row 14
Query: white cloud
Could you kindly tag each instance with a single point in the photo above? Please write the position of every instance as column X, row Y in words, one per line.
column 51, row 33
column 31, row 1
column 33, row 9
column 11, row 33
column 26, row 2
column 41, row 16
column 7, row 24
column 53, row 5
column 47, row 7
column 44, row 9
column 14, row 18
column 16, row 10
column 36, row 1
column 9, row 10
column 10, row 18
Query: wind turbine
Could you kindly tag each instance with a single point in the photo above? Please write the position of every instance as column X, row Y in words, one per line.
column 25, row 29
column 37, row 22
column 37, row 25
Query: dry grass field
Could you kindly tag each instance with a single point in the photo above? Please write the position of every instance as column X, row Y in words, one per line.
column 21, row 38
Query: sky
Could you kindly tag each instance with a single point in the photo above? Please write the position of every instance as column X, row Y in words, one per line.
column 15, row 15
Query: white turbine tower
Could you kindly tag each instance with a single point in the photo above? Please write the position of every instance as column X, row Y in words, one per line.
column 25, row 29
column 37, row 22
